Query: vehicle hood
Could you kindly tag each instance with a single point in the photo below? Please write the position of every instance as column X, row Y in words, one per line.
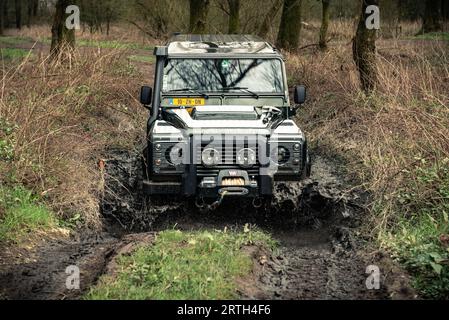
column 223, row 116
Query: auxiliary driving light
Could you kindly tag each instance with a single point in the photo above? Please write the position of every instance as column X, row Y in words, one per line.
column 246, row 158
column 210, row 157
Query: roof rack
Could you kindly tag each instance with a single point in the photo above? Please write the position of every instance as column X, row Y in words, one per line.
column 208, row 43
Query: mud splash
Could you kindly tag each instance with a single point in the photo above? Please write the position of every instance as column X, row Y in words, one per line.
column 123, row 201
column 322, row 197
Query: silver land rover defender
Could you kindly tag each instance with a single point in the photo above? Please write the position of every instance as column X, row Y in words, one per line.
column 220, row 120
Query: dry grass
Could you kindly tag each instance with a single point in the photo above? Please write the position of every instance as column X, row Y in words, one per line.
column 386, row 135
column 61, row 115
column 118, row 32
column 341, row 31
column 395, row 144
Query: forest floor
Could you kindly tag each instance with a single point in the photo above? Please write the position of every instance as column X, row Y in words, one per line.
column 323, row 252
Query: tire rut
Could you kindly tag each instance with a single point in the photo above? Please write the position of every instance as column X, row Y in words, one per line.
column 42, row 275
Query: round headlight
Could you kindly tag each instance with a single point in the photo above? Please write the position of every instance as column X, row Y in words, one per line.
column 246, row 158
column 281, row 155
column 210, row 157
column 174, row 155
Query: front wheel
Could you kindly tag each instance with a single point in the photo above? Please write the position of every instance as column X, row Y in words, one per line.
column 307, row 170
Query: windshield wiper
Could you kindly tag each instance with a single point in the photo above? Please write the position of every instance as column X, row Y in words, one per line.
column 255, row 95
column 204, row 95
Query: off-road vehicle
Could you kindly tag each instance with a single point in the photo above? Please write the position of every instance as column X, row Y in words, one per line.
column 220, row 120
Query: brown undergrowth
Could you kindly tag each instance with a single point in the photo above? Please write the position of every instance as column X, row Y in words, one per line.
column 57, row 117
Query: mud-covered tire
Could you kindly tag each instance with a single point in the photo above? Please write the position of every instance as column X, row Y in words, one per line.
column 286, row 197
column 307, row 171
column 123, row 199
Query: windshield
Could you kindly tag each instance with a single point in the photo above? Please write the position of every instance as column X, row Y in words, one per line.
column 211, row 75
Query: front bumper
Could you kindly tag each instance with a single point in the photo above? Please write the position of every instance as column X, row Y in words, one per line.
column 192, row 185
column 211, row 187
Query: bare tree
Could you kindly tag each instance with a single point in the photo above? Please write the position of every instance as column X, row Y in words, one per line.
column 29, row 13
column 155, row 17
column 18, row 7
column 290, row 28
column 199, row 10
column 61, row 36
column 2, row 13
column 445, row 9
column 232, row 9
column 268, row 20
column 35, row 4
column 5, row 14
column 432, row 16
column 364, row 49
column 234, row 16
column 324, row 24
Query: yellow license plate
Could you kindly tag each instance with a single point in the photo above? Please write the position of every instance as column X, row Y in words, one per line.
column 187, row 102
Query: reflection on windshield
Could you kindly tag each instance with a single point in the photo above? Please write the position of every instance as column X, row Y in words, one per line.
column 257, row 75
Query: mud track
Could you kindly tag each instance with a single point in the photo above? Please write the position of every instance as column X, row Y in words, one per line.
column 321, row 255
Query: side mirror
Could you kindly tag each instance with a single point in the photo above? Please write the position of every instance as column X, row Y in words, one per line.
column 300, row 94
column 146, row 95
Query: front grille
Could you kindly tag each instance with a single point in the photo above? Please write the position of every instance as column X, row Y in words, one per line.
column 228, row 155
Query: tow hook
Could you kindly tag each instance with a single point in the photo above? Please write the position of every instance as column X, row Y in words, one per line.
column 217, row 203
column 257, row 203
column 202, row 205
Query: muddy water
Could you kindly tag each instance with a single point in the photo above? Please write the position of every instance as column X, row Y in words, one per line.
column 315, row 222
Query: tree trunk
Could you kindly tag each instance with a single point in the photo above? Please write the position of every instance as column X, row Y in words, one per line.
column 61, row 36
column 364, row 50
column 199, row 10
column 324, row 24
column 2, row 19
column 234, row 16
column 445, row 10
column 432, row 16
column 266, row 24
column 29, row 13
column 5, row 14
column 18, row 7
column 35, row 7
column 290, row 28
